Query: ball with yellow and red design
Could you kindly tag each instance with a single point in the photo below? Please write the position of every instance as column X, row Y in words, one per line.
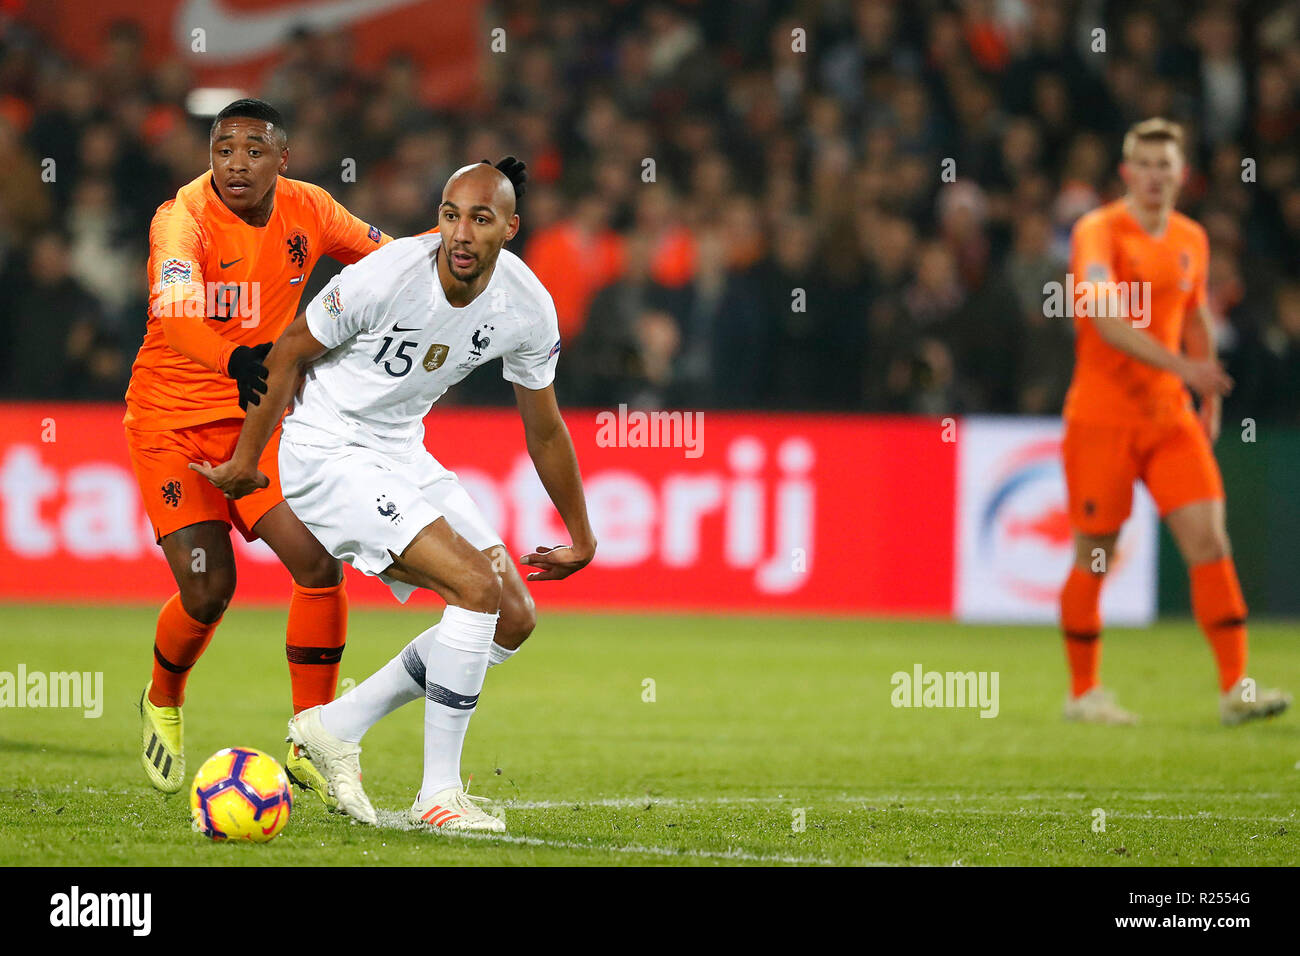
column 240, row 794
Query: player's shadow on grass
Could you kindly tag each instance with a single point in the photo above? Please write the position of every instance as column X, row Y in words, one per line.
column 51, row 747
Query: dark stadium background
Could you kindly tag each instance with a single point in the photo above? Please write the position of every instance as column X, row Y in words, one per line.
column 778, row 169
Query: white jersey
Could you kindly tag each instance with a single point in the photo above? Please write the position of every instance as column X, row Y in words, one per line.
column 396, row 345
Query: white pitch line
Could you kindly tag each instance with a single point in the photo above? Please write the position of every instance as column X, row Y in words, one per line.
column 1205, row 815
column 885, row 801
column 733, row 854
column 390, row 819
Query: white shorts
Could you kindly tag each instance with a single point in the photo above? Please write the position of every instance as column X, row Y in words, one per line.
column 362, row 504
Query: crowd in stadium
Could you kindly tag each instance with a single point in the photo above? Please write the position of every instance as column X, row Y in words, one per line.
column 795, row 243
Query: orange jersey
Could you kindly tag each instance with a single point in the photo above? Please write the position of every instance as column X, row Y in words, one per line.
column 239, row 284
column 1164, row 279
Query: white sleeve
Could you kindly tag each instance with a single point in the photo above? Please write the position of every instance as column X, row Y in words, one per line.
column 344, row 307
column 532, row 364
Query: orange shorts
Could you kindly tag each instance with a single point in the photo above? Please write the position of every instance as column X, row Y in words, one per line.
column 1173, row 458
column 176, row 497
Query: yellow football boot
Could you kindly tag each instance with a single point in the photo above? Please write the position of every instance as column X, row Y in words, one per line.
column 162, row 753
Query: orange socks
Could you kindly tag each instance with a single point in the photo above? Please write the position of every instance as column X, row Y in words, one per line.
column 318, row 620
column 318, row 624
column 1081, row 622
column 1221, row 611
column 1216, row 601
column 179, row 642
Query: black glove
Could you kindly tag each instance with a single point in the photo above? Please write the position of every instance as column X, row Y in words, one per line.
column 246, row 368
column 516, row 170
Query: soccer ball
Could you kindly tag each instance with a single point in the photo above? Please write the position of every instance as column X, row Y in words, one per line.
column 240, row 794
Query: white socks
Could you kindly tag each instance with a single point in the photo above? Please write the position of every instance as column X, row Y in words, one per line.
column 446, row 665
column 398, row 682
column 454, row 669
column 499, row 655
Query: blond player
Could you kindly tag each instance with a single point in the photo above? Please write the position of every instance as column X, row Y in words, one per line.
column 1143, row 337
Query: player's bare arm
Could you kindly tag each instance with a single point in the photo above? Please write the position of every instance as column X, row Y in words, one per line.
column 1204, row 376
column 294, row 351
column 1198, row 344
column 551, row 450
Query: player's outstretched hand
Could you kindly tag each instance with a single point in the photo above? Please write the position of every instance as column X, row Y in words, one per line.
column 557, row 562
column 1206, row 377
column 231, row 481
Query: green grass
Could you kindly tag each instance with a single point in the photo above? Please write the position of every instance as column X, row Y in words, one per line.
column 753, row 719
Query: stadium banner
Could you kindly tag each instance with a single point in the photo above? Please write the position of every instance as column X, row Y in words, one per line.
column 765, row 513
column 235, row 43
column 1014, row 544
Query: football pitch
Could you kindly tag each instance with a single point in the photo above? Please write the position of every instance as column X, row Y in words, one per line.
column 686, row 740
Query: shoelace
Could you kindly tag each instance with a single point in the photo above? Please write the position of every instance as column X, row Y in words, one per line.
column 469, row 804
column 469, row 796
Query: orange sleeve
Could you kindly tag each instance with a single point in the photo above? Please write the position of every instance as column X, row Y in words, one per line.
column 1090, row 253
column 343, row 235
column 196, row 341
column 177, row 295
column 1090, row 259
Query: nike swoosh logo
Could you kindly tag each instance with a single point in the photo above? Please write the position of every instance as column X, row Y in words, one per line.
column 234, row 34
column 398, row 328
column 227, row 265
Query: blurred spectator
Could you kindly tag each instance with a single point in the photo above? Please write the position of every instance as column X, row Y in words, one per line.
column 798, row 343
column 24, row 199
column 1045, row 345
column 649, row 383
column 54, row 326
column 1271, row 381
column 606, row 350
column 574, row 258
column 659, row 216
column 1222, row 75
column 726, row 353
column 913, row 170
